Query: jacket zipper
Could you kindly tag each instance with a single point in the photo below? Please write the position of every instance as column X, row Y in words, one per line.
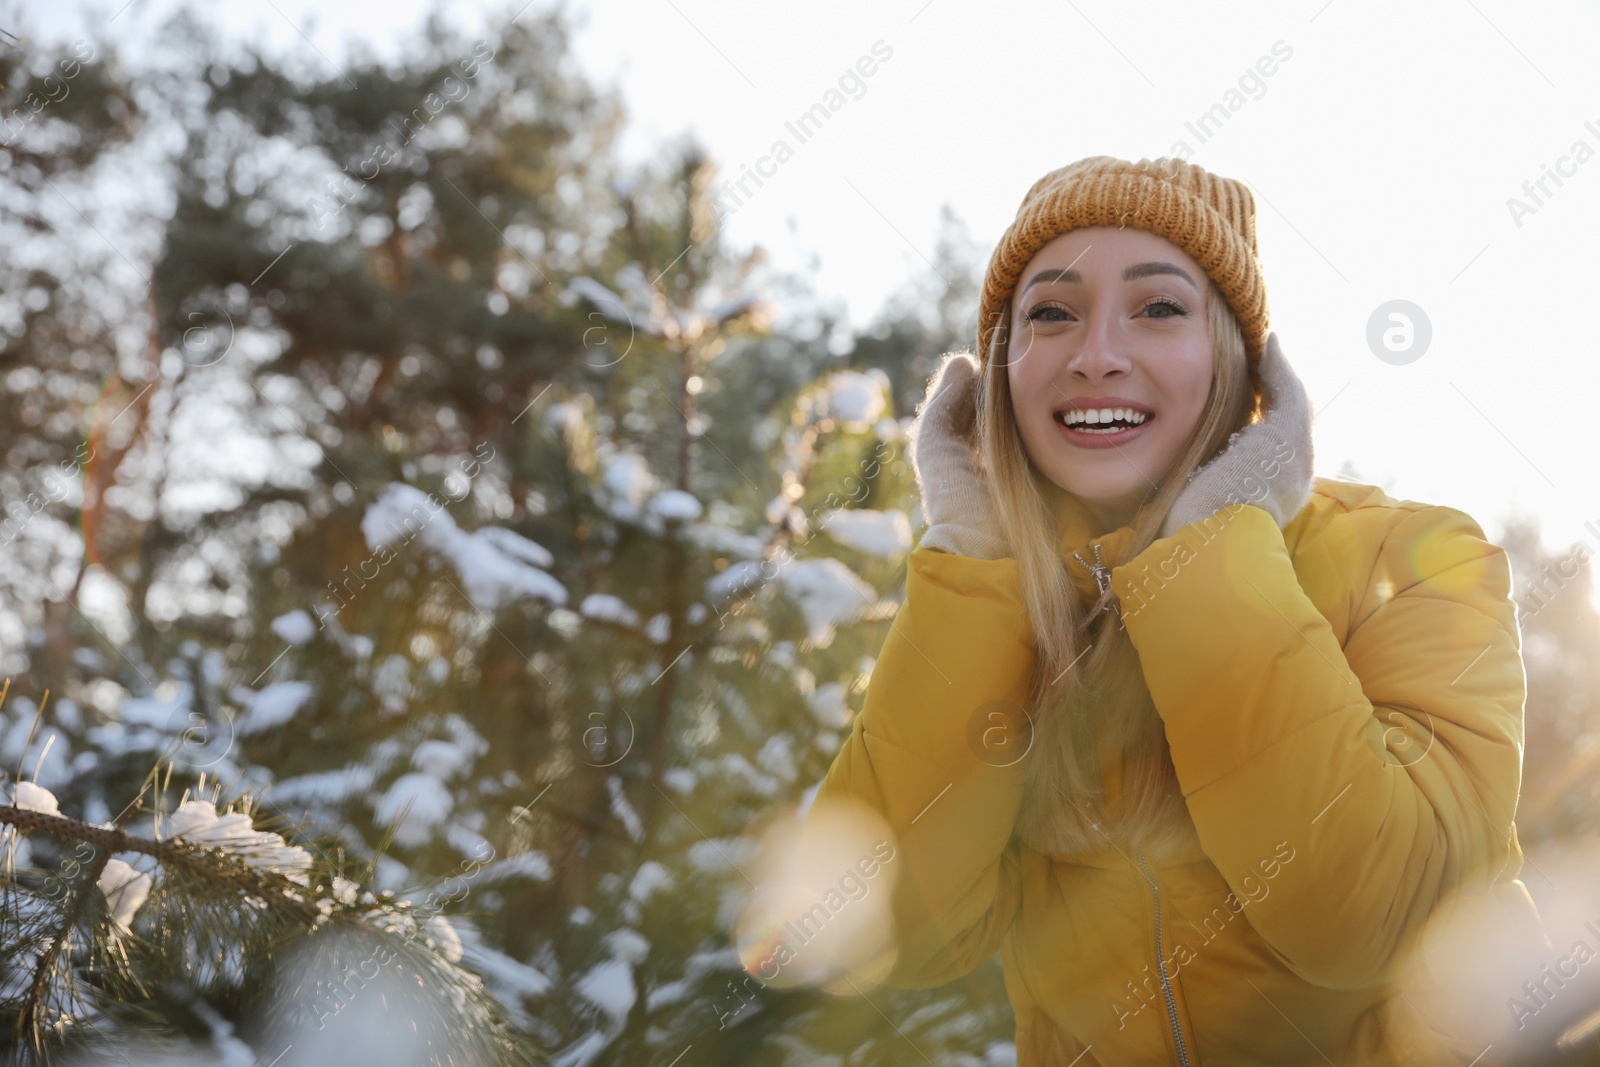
column 1101, row 573
column 1161, row 971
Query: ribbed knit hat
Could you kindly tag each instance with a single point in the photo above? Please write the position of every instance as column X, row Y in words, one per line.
column 1211, row 218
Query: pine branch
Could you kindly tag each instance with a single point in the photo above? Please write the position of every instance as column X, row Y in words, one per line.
column 27, row 1019
column 207, row 954
column 208, row 864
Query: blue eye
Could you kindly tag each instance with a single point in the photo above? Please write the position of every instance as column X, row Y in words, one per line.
column 1173, row 310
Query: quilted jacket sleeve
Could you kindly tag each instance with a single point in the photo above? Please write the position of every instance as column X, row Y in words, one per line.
column 1390, row 764
column 961, row 650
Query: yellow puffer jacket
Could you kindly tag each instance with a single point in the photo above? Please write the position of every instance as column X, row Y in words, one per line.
column 1343, row 701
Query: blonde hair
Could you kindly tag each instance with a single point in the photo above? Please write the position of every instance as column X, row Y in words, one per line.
column 1097, row 707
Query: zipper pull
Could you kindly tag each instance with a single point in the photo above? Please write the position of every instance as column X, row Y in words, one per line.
column 1102, row 573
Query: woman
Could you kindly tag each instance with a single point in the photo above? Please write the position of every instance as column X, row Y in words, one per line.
column 1201, row 744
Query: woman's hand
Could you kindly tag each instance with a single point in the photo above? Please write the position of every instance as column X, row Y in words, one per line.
column 1267, row 464
column 955, row 504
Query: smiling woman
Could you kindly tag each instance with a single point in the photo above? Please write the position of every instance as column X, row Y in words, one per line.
column 1309, row 661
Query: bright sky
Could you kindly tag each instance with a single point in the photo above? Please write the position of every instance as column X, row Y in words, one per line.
column 1383, row 150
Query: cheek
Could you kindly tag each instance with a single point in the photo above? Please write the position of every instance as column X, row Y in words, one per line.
column 1022, row 380
column 1031, row 369
column 1017, row 384
column 1189, row 384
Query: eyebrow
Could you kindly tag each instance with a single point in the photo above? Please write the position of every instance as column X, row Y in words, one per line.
column 1138, row 270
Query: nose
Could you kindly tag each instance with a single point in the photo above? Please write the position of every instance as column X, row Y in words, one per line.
column 1100, row 354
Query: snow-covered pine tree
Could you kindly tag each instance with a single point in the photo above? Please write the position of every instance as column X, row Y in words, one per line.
column 147, row 933
column 457, row 494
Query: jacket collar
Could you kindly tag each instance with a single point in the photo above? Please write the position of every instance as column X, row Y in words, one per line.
column 1076, row 526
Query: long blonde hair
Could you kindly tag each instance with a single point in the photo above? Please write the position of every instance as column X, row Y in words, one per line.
column 1084, row 710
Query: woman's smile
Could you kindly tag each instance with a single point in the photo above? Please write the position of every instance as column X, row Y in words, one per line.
column 1102, row 422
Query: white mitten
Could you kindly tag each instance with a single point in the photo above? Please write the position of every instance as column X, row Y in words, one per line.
column 956, row 505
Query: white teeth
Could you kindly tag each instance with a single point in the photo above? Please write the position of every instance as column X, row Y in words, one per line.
column 1094, row 417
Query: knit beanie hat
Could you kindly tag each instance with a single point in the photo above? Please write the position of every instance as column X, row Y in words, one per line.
column 1211, row 218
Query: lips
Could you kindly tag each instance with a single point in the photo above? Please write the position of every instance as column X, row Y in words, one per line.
column 1102, row 422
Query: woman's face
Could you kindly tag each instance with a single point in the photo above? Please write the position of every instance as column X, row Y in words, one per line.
column 1107, row 318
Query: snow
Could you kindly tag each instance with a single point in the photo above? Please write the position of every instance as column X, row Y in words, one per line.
column 828, row 593
column 681, row 779
column 166, row 715
column 739, row 578
column 516, row 546
column 674, row 505
column 589, row 289
column 441, row 936
column 828, row 706
column 492, row 577
column 722, row 540
column 31, row 797
column 508, row 979
column 296, row 627
column 496, row 565
column 609, row 987
column 721, row 855
column 89, row 660
column 886, row 534
column 777, row 756
column 659, row 628
column 197, row 822
column 68, row 714
column 442, row 759
column 627, row 481
column 857, row 399
column 323, row 788
column 650, row 877
column 391, row 682
column 627, row 945
column 271, row 707
column 607, row 608
column 430, row 802
column 466, row 840
column 583, row 1051
column 385, row 521
column 532, row 865
column 734, row 765
column 641, row 305
column 624, row 810
column 668, row 994
column 562, row 415
column 125, row 889
column 1000, row 1054
column 389, row 875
